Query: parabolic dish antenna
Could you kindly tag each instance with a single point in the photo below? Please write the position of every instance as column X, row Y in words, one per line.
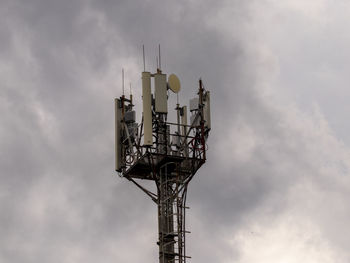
column 174, row 83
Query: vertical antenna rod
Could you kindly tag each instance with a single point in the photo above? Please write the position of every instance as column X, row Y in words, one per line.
column 159, row 56
column 130, row 94
column 123, row 80
column 143, row 53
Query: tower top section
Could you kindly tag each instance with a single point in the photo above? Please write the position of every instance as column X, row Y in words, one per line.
column 168, row 152
column 156, row 137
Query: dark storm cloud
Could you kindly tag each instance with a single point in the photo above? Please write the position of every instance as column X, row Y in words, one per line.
column 59, row 69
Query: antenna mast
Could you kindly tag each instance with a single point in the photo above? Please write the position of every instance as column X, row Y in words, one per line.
column 123, row 80
column 144, row 60
column 167, row 153
column 160, row 67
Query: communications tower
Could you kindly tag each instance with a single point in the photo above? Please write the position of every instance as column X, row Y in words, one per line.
column 166, row 152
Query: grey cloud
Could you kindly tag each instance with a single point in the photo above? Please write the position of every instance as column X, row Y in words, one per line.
column 62, row 201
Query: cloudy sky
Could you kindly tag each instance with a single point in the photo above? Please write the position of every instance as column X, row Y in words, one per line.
column 276, row 186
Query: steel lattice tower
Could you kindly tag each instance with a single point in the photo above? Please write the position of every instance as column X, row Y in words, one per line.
column 167, row 153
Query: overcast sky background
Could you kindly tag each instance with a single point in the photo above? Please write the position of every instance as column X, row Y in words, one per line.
column 276, row 185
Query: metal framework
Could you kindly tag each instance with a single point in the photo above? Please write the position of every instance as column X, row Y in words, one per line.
column 177, row 151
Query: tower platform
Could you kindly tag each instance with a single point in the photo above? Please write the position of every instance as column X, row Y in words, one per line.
column 148, row 165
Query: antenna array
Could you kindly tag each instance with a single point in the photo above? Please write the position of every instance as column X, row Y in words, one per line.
column 168, row 153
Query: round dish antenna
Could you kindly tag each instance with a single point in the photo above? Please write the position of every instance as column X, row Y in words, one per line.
column 174, row 83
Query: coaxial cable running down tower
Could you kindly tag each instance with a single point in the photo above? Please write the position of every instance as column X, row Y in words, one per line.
column 168, row 153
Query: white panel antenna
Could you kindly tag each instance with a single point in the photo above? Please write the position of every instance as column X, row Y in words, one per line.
column 183, row 114
column 147, row 108
column 184, row 120
column 194, row 104
column 160, row 93
column 206, row 110
column 118, row 116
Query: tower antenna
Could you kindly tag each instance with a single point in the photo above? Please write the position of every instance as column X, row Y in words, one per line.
column 130, row 94
column 153, row 150
column 123, row 80
column 143, row 53
column 160, row 67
